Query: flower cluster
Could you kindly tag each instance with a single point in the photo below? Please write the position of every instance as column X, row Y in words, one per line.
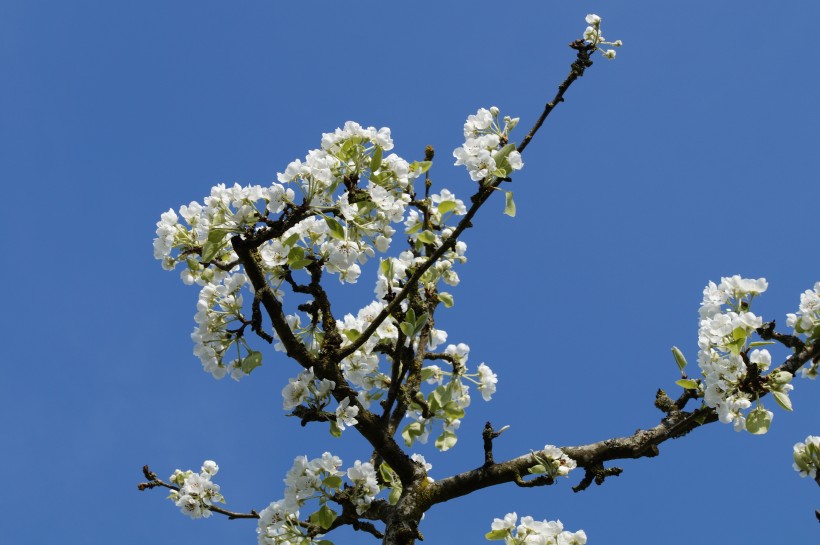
column 593, row 35
column 448, row 401
column 197, row 493
column 531, row 531
column 553, row 462
column 485, row 151
column 318, row 479
column 806, row 322
column 807, row 457
column 726, row 325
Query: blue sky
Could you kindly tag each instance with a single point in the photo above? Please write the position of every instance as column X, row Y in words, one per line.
column 691, row 156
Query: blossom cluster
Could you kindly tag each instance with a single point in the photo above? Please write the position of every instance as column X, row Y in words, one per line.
column 726, row 325
column 806, row 322
column 197, row 493
column 553, row 462
column 807, row 457
column 447, row 402
column 485, row 152
column 318, row 479
column 593, row 35
column 531, row 531
column 352, row 193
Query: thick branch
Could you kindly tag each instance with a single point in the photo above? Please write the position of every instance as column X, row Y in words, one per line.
column 294, row 348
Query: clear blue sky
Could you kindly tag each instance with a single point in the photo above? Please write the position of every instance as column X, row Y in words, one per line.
column 690, row 157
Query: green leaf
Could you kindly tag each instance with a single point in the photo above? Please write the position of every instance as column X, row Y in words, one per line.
column 415, row 228
column 352, row 334
column 502, row 154
column 679, row 359
column 210, row 250
column 410, row 432
column 446, row 298
column 395, row 495
column 335, row 431
column 324, row 517
column 446, row 206
column 446, row 441
column 388, row 475
column 427, row 237
column 509, row 207
column 336, row 229
column 406, row 328
column 500, row 173
column 300, row 264
column 760, row 343
column 333, row 481
column 421, row 321
column 453, row 411
column 536, row 469
column 701, row 417
column 739, row 333
column 291, row 240
column 423, row 165
column 386, row 267
column 251, row 361
column 783, row 400
column 376, row 160
column 687, row 384
column 496, row 535
column 758, row 421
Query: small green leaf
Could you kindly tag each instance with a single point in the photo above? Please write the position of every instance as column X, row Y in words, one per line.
column 406, row 328
column 417, row 227
column 536, row 469
column 291, row 240
column 376, row 160
column 427, row 237
column 386, row 267
column 336, row 229
column 502, row 154
column 352, row 334
column 446, row 298
column 453, row 411
column 760, row 343
column 324, row 517
column 210, row 250
column 251, row 361
column 758, row 421
column 509, row 207
column 423, row 165
column 679, row 359
column 300, row 264
column 739, row 333
column 687, row 384
column 500, row 173
column 446, row 441
column 410, row 432
column 335, row 431
column 701, row 417
column 333, row 481
column 496, row 535
column 783, row 400
column 446, row 206
column 395, row 495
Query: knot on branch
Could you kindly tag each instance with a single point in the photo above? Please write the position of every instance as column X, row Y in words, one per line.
column 596, row 473
column 665, row 403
